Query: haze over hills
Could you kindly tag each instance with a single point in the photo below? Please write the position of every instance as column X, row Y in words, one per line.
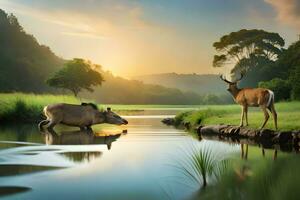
column 25, row 66
column 198, row 83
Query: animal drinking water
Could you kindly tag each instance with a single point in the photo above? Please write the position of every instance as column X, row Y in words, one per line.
column 82, row 116
column 253, row 97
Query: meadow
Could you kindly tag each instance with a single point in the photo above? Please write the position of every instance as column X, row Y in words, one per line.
column 20, row 107
column 288, row 116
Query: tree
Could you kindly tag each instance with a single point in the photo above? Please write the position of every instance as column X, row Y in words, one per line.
column 249, row 50
column 280, row 87
column 294, row 80
column 76, row 75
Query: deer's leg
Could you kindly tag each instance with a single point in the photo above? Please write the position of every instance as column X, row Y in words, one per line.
column 267, row 116
column 52, row 123
column 246, row 114
column 263, row 152
column 275, row 155
column 242, row 151
column 242, row 117
column 246, row 154
column 274, row 113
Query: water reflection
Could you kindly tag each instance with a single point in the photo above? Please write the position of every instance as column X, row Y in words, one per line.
column 244, row 142
column 9, row 190
column 13, row 169
column 80, row 157
column 82, row 137
column 244, row 151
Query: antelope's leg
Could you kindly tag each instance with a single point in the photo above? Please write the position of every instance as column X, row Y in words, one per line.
column 246, row 114
column 264, row 109
column 274, row 113
column 242, row 117
column 263, row 151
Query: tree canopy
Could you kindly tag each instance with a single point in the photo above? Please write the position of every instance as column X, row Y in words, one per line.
column 76, row 75
column 249, row 50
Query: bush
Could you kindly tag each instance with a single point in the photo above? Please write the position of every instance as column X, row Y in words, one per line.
column 280, row 87
column 295, row 83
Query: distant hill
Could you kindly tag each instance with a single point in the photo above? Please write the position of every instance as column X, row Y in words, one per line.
column 25, row 65
column 198, row 83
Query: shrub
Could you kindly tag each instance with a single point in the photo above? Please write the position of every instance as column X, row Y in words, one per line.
column 280, row 87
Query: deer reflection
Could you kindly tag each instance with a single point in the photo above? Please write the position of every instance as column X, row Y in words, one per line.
column 244, row 152
column 81, row 137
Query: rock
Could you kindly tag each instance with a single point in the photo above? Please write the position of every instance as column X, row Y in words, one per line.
column 284, row 137
column 266, row 134
column 168, row 121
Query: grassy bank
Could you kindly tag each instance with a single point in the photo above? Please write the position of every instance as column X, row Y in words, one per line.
column 288, row 116
column 27, row 107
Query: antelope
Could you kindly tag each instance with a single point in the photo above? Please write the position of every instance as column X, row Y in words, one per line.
column 252, row 97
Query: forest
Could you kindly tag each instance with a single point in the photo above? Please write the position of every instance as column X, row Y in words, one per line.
column 25, row 65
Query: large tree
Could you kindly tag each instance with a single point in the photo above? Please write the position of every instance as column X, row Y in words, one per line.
column 250, row 51
column 76, row 75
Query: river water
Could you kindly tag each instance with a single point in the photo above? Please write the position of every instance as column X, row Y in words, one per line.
column 110, row 164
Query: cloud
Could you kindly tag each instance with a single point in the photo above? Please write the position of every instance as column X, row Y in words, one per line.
column 288, row 12
column 91, row 19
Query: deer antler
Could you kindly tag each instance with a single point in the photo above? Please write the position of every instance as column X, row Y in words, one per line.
column 221, row 77
column 242, row 75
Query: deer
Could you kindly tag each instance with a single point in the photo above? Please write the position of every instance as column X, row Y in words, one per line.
column 252, row 97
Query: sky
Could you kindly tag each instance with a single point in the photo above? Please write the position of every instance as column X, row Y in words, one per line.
column 131, row 37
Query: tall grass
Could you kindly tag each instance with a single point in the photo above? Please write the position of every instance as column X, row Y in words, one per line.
column 201, row 164
column 263, row 179
column 27, row 107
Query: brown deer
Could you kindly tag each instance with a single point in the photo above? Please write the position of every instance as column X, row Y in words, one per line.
column 252, row 97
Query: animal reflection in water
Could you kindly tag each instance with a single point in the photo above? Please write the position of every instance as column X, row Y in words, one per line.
column 82, row 137
column 244, row 152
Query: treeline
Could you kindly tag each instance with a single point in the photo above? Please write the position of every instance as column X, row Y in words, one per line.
column 199, row 83
column 119, row 90
column 25, row 65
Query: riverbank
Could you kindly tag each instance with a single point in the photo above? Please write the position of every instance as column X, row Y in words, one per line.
column 288, row 116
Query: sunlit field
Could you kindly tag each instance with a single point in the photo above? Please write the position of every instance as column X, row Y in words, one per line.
column 28, row 107
column 288, row 116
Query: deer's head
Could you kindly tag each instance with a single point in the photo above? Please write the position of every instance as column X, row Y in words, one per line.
column 232, row 86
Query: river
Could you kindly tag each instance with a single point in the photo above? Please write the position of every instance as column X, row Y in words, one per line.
column 135, row 161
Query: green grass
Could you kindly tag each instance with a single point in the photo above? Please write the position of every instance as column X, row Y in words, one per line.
column 288, row 116
column 258, row 179
column 27, row 107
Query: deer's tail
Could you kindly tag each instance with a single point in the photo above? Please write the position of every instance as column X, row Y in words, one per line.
column 271, row 98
